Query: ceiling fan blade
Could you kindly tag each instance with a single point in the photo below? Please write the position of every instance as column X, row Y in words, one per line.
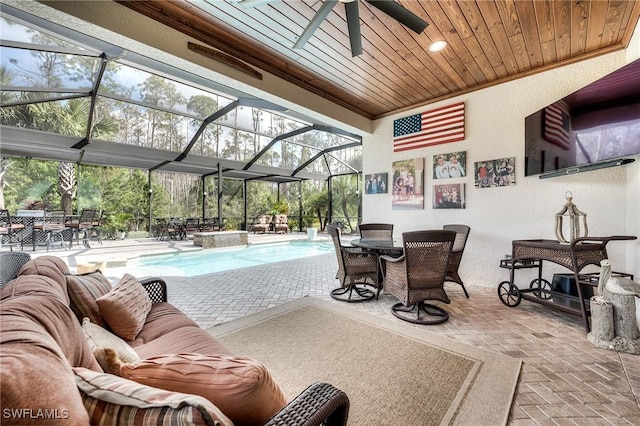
column 320, row 15
column 246, row 4
column 353, row 22
column 400, row 14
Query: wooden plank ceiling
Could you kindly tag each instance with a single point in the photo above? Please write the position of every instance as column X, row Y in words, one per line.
column 489, row 42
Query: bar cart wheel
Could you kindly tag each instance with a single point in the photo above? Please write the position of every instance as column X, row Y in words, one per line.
column 541, row 288
column 509, row 294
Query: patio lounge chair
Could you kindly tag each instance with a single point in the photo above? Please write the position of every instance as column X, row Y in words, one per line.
column 281, row 224
column 263, row 224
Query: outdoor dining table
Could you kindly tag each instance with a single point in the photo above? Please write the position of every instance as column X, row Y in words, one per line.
column 387, row 247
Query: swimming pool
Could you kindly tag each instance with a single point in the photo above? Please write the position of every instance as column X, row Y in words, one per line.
column 209, row 261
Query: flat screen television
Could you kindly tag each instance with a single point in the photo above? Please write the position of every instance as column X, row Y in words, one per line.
column 594, row 127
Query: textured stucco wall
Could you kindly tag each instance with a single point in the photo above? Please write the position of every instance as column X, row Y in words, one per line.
column 495, row 129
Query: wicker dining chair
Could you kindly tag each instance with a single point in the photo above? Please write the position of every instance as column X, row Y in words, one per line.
column 419, row 275
column 462, row 233
column 376, row 231
column 357, row 269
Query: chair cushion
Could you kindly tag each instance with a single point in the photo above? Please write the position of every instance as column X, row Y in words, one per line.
column 98, row 337
column 125, row 307
column 83, row 292
column 113, row 400
column 241, row 387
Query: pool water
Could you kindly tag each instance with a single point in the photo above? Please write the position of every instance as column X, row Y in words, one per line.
column 209, row 261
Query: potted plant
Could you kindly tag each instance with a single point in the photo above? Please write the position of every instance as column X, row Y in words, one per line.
column 121, row 222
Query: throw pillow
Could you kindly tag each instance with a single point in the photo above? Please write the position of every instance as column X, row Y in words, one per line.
column 108, row 398
column 83, row 292
column 98, row 337
column 125, row 307
column 241, row 387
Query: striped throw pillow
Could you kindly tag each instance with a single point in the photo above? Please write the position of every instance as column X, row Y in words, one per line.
column 83, row 292
column 112, row 400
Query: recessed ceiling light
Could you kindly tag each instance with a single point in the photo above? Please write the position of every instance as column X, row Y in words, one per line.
column 437, row 46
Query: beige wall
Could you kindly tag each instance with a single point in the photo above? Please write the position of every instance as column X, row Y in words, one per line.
column 495, row 129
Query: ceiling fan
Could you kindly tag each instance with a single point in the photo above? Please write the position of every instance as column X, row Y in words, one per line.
column 389, row 7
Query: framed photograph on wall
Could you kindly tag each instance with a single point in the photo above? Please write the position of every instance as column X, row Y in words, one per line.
column 499, row 172
column 450, row 165
column 376, row 183
column 449, row 196
column 408, row 184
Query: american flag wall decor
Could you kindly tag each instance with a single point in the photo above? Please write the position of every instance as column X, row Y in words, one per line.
column 438, row 126
column 556, row 124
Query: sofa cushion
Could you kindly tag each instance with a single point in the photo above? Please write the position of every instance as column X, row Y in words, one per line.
column 241, row 387
column 113, row 400
column 162, row 319
column 99, row 338
column 51, row 267
column 43, row 311
column 83, row 292
column 34, row 284
column 183, row 340
column 125, row 307
column 36, row 351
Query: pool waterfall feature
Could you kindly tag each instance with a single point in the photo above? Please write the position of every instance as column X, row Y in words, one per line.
column 220, row 239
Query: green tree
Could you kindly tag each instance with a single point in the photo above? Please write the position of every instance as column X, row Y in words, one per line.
column 205, row 106
column 345, row 191
column 319, row 204
column 164, row 126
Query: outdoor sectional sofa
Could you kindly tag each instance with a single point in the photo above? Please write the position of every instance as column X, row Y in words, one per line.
column 75, row 350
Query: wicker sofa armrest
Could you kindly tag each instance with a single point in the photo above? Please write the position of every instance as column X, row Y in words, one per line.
column 156, row 288
column 319, row 404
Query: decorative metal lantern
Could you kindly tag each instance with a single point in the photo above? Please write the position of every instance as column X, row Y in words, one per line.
column 571, row 212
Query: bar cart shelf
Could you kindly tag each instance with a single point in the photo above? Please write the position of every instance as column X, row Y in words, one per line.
column 530, row 254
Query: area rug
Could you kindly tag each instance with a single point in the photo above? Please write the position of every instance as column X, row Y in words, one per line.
column 394, row 373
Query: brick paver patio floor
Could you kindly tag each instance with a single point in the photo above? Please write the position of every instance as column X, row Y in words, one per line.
column 565, row 380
